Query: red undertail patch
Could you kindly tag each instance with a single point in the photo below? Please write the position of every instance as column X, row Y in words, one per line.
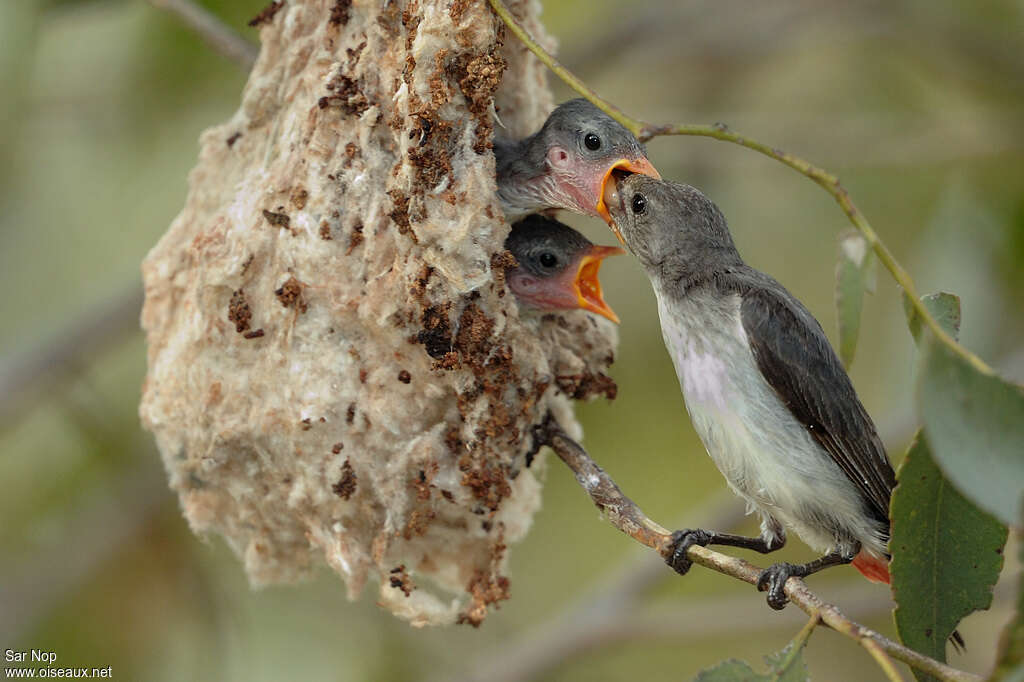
column 872, row 568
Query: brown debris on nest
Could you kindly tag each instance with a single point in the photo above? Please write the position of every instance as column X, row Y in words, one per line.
column 290, row 295
column 346, row 485
column 266, row 14
column 239, row 312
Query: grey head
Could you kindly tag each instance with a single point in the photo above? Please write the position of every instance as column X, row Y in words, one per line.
column 544, row 247
column 567, row 163
column 557, row 267
column 673, row 229
column 578, row 131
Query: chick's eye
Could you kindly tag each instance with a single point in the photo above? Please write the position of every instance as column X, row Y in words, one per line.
column 592, row 141
column 548, row 259
column 639, row 203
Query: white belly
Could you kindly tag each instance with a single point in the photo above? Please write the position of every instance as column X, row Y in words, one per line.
column 765, row 454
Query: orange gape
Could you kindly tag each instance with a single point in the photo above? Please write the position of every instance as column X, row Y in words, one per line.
column 872, row 568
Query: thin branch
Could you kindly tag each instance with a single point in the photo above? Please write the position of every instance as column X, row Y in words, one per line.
column 884, row 662
column 798, row 642
column 625, row 515
column 830, row 183
column 215, row 32
column 38, row 367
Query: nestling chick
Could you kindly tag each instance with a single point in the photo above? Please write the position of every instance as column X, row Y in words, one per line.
column 567, row 163
column 558, row 267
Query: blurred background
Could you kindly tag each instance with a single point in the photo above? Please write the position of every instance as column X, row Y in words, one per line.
column 917, row 105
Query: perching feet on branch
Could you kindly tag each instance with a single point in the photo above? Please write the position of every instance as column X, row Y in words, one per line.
column 682, row 540
column 773, row 579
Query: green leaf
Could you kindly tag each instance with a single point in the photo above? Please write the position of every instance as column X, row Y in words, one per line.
column 975, row 428
column 855, row 274
column 788, row 665
column 943, row 306
column 974, row 422
column 1010, row 659
column 783, row 666
column 946, row 555
column 730, row 671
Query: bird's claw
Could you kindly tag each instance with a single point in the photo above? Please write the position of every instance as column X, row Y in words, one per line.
column 682, row 540
column 773, row 580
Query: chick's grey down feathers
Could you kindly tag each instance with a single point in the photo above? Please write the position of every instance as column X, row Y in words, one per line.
column 683, row 242
column 526, row 182
column 536, row 235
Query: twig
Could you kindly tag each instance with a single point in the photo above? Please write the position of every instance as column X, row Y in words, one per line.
column 884, row 662
column 830, row 183
column 33, row 371
column 801, row 639
column 215, row 32
column 625, row 515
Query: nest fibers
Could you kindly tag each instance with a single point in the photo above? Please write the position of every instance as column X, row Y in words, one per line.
column 336, row 368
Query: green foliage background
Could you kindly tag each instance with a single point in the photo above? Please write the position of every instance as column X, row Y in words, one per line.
column 919, row 108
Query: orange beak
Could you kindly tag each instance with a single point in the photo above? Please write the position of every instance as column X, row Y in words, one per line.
column 588, row 286
column 642, row 166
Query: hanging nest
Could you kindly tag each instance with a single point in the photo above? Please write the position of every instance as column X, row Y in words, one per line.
column 336, row 367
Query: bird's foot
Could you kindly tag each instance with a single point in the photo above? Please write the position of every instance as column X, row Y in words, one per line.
column 773, row 580
column 683, row 540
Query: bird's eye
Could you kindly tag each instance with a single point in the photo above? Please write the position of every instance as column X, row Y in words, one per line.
column 548, row 259
column 592, row 141
column 639, row 203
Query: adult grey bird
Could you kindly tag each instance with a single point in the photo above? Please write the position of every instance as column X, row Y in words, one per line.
column 567, row 163
column 766, row 393
column 557, row 267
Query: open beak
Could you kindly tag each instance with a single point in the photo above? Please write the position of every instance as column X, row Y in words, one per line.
column 642, row 166
column 588, row 286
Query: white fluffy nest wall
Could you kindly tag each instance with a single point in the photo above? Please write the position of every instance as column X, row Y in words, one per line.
column 336, row 369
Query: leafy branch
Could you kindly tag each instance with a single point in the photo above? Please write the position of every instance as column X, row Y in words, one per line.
column 625, row 515
column 973, row 420
column 829, row 182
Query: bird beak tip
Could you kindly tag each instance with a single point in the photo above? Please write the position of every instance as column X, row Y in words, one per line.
column 601, row 252
column 587, row 284
column 641, row 166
